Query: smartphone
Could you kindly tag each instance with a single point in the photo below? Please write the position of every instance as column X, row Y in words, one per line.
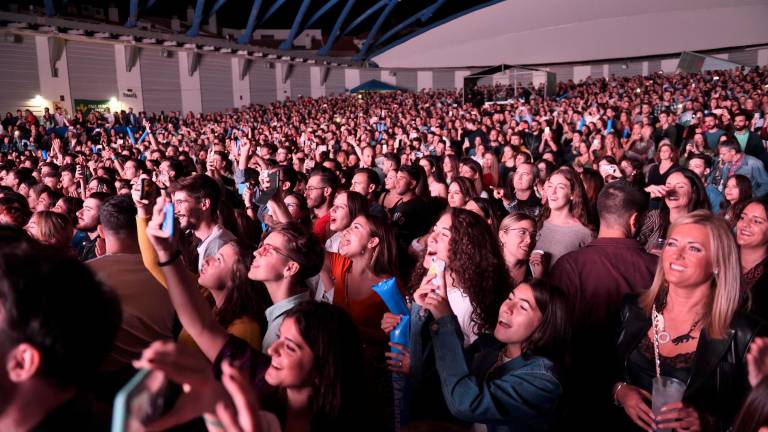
column 146, row 397
column 418, row 154
column 168, row 214
column 45, row 155
column 146, row 189
column 266, row 195
column 322, row 148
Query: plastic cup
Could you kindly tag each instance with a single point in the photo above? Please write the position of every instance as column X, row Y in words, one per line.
column 665, row 391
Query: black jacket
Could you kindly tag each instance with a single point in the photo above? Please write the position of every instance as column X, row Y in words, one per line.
column 718, row 383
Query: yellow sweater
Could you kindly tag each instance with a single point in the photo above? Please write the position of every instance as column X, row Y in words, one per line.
column 245, row 328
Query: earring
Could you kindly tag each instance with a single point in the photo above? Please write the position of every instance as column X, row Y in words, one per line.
column 715, row 272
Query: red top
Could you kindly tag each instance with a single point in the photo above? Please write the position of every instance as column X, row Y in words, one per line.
column 320, row 227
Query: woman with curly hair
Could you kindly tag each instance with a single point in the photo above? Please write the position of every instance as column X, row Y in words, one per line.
column 474, row 269
column 566, row 224
column 476, row 282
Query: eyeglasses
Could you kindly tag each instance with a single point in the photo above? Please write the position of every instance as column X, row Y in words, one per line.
column 268, row 250
column 314, row 188
column 519, row 232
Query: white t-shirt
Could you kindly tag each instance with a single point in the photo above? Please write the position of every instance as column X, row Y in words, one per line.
column 462, row 307
column 332, row 244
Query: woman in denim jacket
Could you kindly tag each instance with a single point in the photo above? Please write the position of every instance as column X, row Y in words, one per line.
column 507, row 382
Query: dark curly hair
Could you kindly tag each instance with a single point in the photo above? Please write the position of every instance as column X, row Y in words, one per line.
column 478, row 265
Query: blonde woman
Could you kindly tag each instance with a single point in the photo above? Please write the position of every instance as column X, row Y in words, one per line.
column 690, row 316
column 50, row 228
column 490, row 170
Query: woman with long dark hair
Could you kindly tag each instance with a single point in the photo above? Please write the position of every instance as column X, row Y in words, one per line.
column 509, row 381
column 309, row 380
column 682, row 193
column 737, row 193
column 347, row 205
column 565, row 218
column 752, row 238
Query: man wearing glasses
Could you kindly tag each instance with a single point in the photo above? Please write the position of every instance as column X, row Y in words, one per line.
column 320, row 190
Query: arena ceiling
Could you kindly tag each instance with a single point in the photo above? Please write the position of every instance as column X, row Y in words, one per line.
column 350, row 28
column 566, row 31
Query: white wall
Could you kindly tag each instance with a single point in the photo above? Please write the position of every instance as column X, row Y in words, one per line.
column 241, row 89
column 669, row 65
column 351, row 78
column 316, row 81
column 128, row 82
column 191, row 98
column 459, row 78
column 580, row 73
column 52, row 89
column 762, row 57
column 189, row 94
column 553, row 31
column 283, row 87
column 389, row 77
column 424, row 80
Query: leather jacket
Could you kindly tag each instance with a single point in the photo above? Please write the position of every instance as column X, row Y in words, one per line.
column 718, row 382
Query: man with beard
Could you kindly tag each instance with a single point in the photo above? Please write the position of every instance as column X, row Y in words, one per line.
column 196, row 201
column 749, row 141
column 87, row 223
column 320, row 190
column 53, row 341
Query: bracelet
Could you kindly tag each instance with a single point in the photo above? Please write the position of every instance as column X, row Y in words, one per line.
column 170, row 260
column 616, row 389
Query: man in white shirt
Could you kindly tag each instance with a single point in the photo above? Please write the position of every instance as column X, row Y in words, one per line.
column 196, row 202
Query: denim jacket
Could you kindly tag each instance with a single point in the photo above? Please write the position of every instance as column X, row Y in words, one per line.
column 519, row 395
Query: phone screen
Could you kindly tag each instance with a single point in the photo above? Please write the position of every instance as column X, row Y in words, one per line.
column 168, row 213
column 146, row 188
column 266, row 195
column 145, row 398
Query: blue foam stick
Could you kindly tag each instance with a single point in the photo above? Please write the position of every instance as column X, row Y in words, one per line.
column 401, row 334
column 144, row 135
column 130, row 136
column 388, row 292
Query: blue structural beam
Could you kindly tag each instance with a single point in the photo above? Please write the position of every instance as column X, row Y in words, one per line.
column 50, row 9
column 248, row 32
column 133, row 15
column 320, row 13
column 197, row 19
column 336, row 29
column 275, row 6
column 216, row 7
column 424, row 15
column 295, row 28
column 380, row 4
column 375, row 29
